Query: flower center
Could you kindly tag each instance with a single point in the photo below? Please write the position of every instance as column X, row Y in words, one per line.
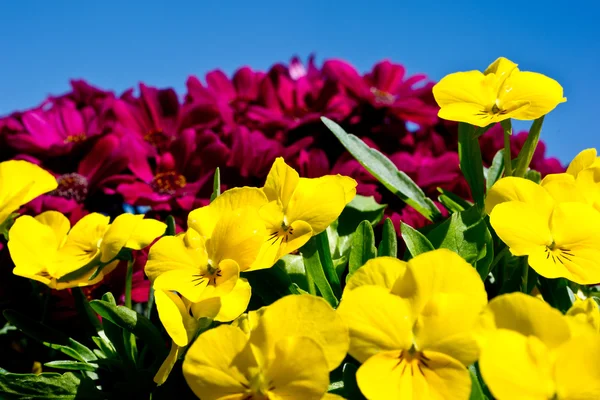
column 71, row 186
column 558, row 255
column 412, row 361
column 382, row 96
column 77, row 138
column 168, row 182
column 258, row 389
column 159, row 139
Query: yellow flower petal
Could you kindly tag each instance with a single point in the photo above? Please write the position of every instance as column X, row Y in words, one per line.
column 58, row 222
column 170, row 253
column 281, row 182
column 515, row 366
column 318, row 202
column 167, row 365
column 204, row 219
column 216, row 364
column 447, row 297
column 184, row 281
column 238, row 236
column 388, row 376
column 577, row 371
column 379, row 271
column 298, row 369
column 378, row 321
column 298, row 234
column 21, row 182
column 521, row 226
column 132, row 230
column 465, row 97
column 303, row 315
column 563, row 191
column 175, row 317
column 519, row 189
column 542, row 93
column 583, row 160
column 227, row 307
column 502, row 67
column 528, row 316
column 33, row 247
column 576, row 232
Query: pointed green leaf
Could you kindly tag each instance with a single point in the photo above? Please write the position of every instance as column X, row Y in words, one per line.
column 71, row 365
column 314, row 269
column 363, row 247
column 48, row 386
column 386, row 172
column 526, row 154
column 132, row 322
column 389, row 240
column 216, row 185
column 416, row 242
column 496, row 169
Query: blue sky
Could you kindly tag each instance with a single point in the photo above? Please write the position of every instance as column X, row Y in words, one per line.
column 116, row 44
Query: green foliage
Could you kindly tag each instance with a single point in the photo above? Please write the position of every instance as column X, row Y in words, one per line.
column 416, row 242
column 48, row 386
column 386, row 172
column 389, row 240
column 471, row 164
column 363, row 247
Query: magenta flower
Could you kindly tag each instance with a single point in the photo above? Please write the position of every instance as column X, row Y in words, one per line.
column 386, row 87
column 290, row 97
column 230, row 97
column 54, row 130
column 173, row 180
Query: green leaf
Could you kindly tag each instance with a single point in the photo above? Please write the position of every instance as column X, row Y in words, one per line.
column 476, row 391
column 171, row 226
column 108, row 297
column 322, row 243
column 85, row 310
column 386, row 172
column 133, row 322
column 216, row 185
column 48, row 386
column 452, row 202
column 360, row 209
column 389, row 240
column 467, row 234
column 496, row 169
column 72, row 365
column 351, row 389
column 471, row 163
column 416, row 242
column 363, row 247
column 526, row 154
column 557, row 293
column 270, row 284
column 105, row 346
column 314, row 269
column 49, row 336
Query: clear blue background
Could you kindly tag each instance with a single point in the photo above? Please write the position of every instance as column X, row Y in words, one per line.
column 116, row 44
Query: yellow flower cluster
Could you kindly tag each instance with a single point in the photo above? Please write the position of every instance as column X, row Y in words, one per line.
column 556, row 223
column 243, row 229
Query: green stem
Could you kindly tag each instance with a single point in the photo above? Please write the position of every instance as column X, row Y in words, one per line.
column 499, row 256
column 525, row 275
column 507, row 126
column 128, row 282
column 150, row 304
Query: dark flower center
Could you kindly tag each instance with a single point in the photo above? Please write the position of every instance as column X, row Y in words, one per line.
column 72, row 186
column 159, row 139
column 168, row 182
column 77, row 138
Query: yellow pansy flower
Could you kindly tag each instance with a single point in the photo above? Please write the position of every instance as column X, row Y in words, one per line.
column 412, row 325
column 528, row 352
column 21, row 182
column 46, row 248
column 560, row 235
column 274, row 361
column 501, row 92
column 299, row 208
column 200, row 268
